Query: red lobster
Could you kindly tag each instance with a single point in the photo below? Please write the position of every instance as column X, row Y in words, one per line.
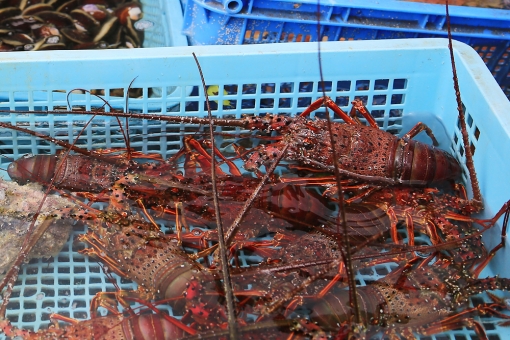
column 364, row 152
column 418, row 297
column 426, row 300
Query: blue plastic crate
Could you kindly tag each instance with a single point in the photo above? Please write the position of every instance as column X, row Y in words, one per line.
column 402, row 82
column 235, row 22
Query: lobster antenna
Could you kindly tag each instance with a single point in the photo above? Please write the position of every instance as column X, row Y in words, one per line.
column 341, row 220
column 126, row 132
column 477, row 201
column 227, row 284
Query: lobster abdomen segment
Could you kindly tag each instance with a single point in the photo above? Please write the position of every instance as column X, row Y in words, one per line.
column 418, row 163
column 77, row 172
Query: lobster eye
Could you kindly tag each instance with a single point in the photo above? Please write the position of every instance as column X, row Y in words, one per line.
column 308, row 146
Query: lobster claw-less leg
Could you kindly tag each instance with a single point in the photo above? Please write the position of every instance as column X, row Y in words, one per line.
column 465, row 319
column 326, row 101
column 204, row 158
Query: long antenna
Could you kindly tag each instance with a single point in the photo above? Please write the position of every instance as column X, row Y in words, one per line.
column 227, row 284
column 477, row 201
column 341, row 220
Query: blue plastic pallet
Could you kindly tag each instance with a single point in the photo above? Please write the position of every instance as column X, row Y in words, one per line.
column 401, row 81
column 235, row 22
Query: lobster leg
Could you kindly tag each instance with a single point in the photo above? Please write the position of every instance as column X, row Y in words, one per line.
column 419, row 127
column 234, row 170
column 464, row 318
column 326, row 101
column 357, row 106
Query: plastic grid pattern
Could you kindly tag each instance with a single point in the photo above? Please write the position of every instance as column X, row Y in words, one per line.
column 419, row 88
column 271, row 21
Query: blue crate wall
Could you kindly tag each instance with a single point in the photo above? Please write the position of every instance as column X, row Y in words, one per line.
column 397, row 79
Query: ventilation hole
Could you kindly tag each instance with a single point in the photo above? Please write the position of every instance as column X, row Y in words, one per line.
column 285, row 103
column 379, row 100
column 381, row 84
column 29, row 305
column 362, row 85
column 324, row 86
column 248, row 103
column 469, row 120
column 381, row 271
column 477, row 133
column 29, row 292
column 306, row 86
column 397, row 99
column 343, row 85
column 342, row 101
column 304, row 101
column 399, row 84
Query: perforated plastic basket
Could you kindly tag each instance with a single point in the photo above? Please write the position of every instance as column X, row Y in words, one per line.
column 209, row 22
column 402, row 82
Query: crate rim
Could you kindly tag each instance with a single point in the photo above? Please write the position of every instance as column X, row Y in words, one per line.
column 218, row 50
column 496, row 99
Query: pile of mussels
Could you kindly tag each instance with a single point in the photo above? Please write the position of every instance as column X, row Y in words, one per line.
column 32, row 25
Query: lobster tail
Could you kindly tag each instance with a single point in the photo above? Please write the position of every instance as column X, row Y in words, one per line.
column 333, row 310
column 418, row 163
column 77, row 172
column 30, row 168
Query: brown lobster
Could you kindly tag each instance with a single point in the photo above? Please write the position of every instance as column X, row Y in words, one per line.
column 364, row 152
column 413, row 298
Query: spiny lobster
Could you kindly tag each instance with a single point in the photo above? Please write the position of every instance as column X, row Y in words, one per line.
column 425, row 300
column 364, row 152
column 417, row 297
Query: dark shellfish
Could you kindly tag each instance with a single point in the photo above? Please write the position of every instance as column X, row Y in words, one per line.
column 32, row 25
